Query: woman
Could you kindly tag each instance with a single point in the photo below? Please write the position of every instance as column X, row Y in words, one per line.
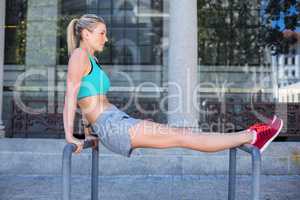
column 87, row 85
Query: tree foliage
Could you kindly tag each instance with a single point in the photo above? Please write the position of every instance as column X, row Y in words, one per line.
column 286, row 12
column 234, row 32
column 228, row 32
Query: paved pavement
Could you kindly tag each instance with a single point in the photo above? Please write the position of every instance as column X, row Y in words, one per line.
column 33, row 187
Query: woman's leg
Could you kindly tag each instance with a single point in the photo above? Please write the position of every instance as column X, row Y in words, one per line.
column 154, row 135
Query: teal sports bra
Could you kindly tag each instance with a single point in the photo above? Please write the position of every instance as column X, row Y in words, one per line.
column 94, row 83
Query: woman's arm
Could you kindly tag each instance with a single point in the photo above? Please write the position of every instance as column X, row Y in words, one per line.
column 76, row 70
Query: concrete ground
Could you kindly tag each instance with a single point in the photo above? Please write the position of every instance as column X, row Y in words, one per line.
column 31, row 187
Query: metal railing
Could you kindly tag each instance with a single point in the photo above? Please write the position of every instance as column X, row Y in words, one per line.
column 66, row 168
column 70, row 148
column 256, row 170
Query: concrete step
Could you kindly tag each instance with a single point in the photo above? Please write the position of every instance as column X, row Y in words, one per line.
column 148, row 187
column 44, row 157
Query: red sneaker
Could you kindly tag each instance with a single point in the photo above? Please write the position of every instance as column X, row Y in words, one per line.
column 258, row 126
column 266, row 134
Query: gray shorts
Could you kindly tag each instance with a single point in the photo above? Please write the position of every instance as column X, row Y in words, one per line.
column 112, row 126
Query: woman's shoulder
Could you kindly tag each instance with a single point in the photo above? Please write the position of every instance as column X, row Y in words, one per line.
column 79, row 53
column 79, row 56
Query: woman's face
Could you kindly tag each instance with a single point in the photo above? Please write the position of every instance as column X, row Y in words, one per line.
column 97, row 38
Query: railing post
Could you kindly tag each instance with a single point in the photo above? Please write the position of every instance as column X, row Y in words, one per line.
column 232, row 174
column 95, row 171
column 256, row 168
column 66, row 168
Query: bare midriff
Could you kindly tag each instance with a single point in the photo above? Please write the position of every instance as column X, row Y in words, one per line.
column 92, row 107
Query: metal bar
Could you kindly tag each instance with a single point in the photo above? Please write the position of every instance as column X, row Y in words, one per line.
column 95, row 171
column 247, row 148
column 66, row 170
column 232, row 174
column 256, row 170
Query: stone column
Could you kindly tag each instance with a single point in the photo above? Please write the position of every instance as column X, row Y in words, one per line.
column 41, row 32
column 182, row 70
column 41, row 45
column 2, row 31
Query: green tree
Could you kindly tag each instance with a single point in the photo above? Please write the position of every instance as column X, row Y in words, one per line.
column 288, row 12
column 234, row 32
column 228, row 32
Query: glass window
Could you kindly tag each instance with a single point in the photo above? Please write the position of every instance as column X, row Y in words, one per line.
column 293, row 73
column 286, row 61
column 15, row 31
column 135, row 29
column 293, row 60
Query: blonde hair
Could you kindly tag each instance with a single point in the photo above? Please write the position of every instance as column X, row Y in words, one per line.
column 75, row 27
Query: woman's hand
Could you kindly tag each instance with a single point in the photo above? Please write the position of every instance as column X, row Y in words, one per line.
column 78, row 143
column 92, row 138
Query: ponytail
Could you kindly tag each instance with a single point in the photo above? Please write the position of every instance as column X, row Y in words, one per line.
column 72, row 38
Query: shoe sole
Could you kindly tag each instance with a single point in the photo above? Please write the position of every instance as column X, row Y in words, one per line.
column 275, row 135
column 274, row 118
